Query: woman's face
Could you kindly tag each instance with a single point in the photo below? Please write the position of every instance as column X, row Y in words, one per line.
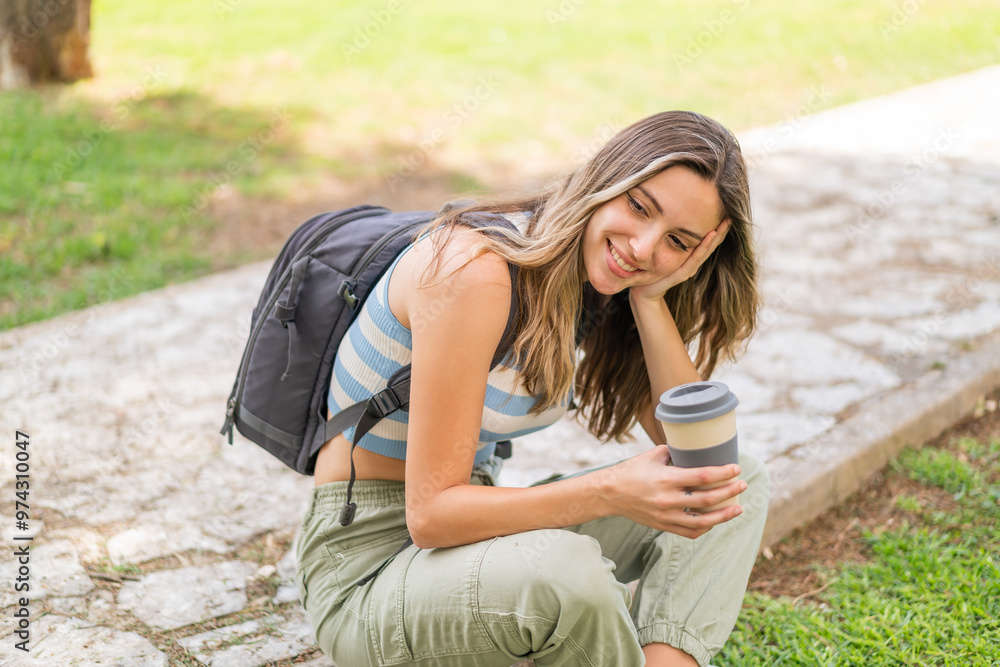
column 646, row 233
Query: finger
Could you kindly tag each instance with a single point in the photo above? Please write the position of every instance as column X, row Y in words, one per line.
column 714, row 517
column 715, row 238
column 699, row 499
column 691, row 264
column 721, row 515
column 692, row 523
column 661, row 453
column 703, row 250
column 722, row 230
column 705, row 474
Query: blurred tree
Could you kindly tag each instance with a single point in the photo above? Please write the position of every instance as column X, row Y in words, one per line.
column 43, row 40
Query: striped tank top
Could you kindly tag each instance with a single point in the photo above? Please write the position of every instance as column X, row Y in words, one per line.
column 377, row 345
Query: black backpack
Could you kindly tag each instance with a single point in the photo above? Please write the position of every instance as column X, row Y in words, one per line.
column 315, row 289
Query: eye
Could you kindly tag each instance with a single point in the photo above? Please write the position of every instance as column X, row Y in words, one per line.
column 634, row 204
column 680, row 245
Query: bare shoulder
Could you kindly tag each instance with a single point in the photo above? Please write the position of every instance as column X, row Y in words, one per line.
column 430, row 278
column 457, row 258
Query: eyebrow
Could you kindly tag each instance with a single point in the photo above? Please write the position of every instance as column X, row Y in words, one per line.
column 650, row 198
column 686, row 232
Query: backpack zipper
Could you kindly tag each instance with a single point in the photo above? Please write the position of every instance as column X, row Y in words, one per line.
column 346, row 290
column 318, row 237
column 369, row 256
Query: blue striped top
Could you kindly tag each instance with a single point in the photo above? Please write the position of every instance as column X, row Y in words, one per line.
column 377, row 345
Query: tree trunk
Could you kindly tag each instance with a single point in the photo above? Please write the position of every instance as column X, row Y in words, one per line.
column 43, row 40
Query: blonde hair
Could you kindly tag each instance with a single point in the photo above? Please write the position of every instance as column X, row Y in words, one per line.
column 715, row 310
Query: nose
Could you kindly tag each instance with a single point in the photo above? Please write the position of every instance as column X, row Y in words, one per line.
column 643, row 244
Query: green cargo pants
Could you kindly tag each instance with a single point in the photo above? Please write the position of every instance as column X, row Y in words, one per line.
column 556, row 596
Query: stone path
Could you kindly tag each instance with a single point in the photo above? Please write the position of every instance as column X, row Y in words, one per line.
column 157, row 543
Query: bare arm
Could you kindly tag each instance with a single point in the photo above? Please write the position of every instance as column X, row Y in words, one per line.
column 667, row 360
column 668, row 363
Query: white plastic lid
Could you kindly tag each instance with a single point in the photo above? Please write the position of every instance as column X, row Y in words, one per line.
column 694, row 402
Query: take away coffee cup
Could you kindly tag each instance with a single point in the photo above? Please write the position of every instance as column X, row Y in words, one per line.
column 699, row 420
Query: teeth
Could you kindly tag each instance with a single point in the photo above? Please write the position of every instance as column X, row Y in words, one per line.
column 620, row 261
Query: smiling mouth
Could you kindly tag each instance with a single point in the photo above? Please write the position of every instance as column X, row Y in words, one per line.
column 625, row 266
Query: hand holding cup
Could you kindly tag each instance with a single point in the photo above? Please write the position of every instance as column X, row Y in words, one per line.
column 699, row 421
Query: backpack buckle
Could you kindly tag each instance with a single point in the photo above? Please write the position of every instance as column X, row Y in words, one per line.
column 383, row 403
column 346, row 292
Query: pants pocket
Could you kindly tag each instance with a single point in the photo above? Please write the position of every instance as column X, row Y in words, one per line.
column 425, row 605
column 336, row 605
column 355, row 563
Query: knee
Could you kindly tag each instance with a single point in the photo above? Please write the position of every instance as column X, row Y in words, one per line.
column 561, row 570
column 552, row 586
column 756, row 498
column 578, row 574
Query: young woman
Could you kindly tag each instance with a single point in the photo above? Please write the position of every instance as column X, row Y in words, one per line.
column 621, row 267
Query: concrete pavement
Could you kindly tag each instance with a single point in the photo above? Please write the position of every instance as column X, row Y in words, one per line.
column 880, row 240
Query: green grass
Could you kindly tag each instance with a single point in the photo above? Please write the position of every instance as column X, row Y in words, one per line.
column 463, row 94
column 90, row 213
column 560, row 75
column 928, row 595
